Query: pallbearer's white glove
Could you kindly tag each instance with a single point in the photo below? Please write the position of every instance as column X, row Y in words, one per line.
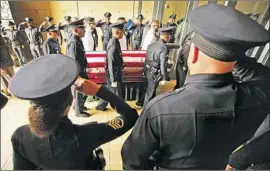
column 114, row 84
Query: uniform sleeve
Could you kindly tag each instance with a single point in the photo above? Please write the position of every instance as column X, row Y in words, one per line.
column 163, row 63
column 19, row 161
column 99, row 23
column 40, row 37
column 46, row 48
column 41, row 27
column 96, row 37
column 72, row 50
column 253, row 152
column 102, row 133
column 141, row 144
column 110, row 55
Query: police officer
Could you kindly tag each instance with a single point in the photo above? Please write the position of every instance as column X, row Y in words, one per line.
column 138, row 33
column 106, row 29
column 156, row 63
column 17, row 40
column 76, row 51
column 35, row 38
column 90, row 40
column 114, row 64
column 199, row 125
column 66, row 28
column 171, row 22
column 50, row 140
column 51, row 45
column 48, row 21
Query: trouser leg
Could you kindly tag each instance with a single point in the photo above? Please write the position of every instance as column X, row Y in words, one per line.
column 16, row 51
column 33, row 51
column 79, row 102
column 150, row 89
column 22, row 55
column 105, row 43
column 136, row 45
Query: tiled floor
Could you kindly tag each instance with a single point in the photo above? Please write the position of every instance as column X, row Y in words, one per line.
column 15, row 115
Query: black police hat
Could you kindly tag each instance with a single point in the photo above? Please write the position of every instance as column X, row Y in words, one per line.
column 28, row 19
column 118, row 25
column 107, row 14
column 168, row 29
column 51, row 28
column 89, row 20
column 227, row 34
column 173, row 16
column 77, row 23
column 140, row 17
column 48, row 19
column 10, row 23
column 3, row 101
column 67, row 18
column 121, row 18
column 39, row 78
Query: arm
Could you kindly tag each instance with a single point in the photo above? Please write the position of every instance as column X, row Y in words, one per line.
column 40, row 38
column 141, row 144
column 163, row 63
column 99, row 23
column 72, row 50
column 115, row 127
column 19, row 161
column 41, row 27
column 110, row 53
column 253, row 152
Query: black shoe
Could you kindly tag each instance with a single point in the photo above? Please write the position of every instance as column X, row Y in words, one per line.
column 85, row 108
column 83, row 115
column 101, row 108
column 139, row 104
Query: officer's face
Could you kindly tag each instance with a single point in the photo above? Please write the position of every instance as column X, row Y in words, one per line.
column 81, row 32
column 53, row 34
column 11, row 27
column 108, row 19
column 139, row 21
column 30, row 24
column 155, row 26
column 172, row 20
column 166, row 37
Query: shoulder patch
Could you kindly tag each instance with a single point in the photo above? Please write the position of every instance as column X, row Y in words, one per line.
column 116, row 123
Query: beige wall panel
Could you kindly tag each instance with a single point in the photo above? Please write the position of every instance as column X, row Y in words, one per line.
column 174, row 7
column 147, row 9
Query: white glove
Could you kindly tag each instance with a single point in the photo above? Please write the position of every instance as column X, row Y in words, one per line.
column 114, row 84
column 162, row 82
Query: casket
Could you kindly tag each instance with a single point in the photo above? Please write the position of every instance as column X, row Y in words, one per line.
column 132, row 72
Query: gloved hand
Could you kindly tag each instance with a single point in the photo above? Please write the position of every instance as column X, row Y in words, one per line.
column 163, row 82
column 114, row 84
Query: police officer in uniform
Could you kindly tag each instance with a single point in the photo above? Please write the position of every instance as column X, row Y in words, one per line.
column 138, row 33
column 50, row 140
column 17, row 40
column 199, row 125
column 114, row 64
column 66, row 28
column 76, row 51
column 171, row 22
column 51, row 45
column 156, row 63
column 106, row 29
column 35, row 38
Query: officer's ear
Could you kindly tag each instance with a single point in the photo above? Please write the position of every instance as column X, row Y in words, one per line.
column 195, row 54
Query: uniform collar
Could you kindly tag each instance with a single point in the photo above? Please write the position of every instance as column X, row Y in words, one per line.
column 210, row 79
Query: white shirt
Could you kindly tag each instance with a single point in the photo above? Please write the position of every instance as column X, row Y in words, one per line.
column 123, row 43
column 149, row 38
column 88, row 41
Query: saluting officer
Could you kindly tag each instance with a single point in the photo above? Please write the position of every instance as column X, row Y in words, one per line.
column 35, row 39
column 17, row 40
column 66, row 28
column 106, row 29
column 138, row 33
column 76, row 51
column 114, row 64
column 198, row 126
column 90, row 40
column 156, row 63
column 50, row 140
column 51, row 45
column 171, row 22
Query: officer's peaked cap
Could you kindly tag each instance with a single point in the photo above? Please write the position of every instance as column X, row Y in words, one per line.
column 224, row 33
column 168, row 29
column 51, row 28
column 173, row 16
column 10, row 23
column 44, row 76
column 49, row 19
column 88, row 20
column 117, row 25
column 107, row 14
column 77, row 23
column 28, row 19
column 67, row 18
column 140, row 17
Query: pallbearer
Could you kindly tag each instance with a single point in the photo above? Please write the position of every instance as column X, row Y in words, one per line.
column 51, row 45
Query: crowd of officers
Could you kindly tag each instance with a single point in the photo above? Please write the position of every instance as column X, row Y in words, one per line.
column 224, row 98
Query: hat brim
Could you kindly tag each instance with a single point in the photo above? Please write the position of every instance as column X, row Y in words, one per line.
column 44, row 76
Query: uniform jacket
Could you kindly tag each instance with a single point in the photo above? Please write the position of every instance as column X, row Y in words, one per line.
column 138, row 32
column 51, row 46
column 76, row 50
column 157, row 56
column 16, row 37
column 33, row 35
column 199, row 125
column 5, row 58
column 106, row 29
column 71, row 146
